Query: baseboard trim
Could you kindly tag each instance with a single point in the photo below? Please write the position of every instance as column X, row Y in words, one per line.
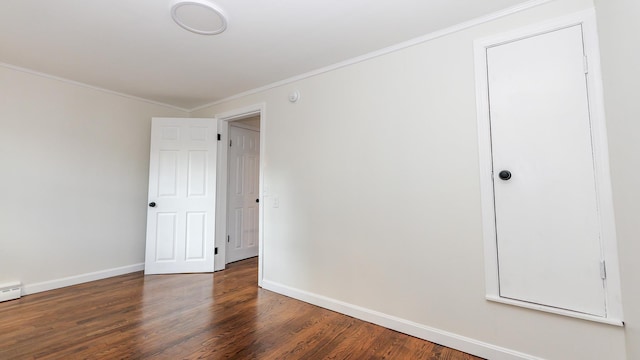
column 455, row 341
column 28, row 289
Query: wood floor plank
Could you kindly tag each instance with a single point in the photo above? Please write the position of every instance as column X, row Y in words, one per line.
column 193, row 316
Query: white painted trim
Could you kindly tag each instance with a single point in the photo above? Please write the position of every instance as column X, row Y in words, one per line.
column 222, row 172
column 242, row 113
column 77, row 83
column 587, row 19
column 553, row 310
column 455, row 341
column 603, row 175
column 28, row 289
column 393, row 48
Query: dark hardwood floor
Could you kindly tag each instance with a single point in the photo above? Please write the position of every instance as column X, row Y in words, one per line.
column 193, row 316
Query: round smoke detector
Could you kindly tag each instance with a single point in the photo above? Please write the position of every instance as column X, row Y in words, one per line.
column 199, row 16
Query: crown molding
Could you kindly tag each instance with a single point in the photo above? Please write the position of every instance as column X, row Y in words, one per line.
column 387, row 50
column 92, row 87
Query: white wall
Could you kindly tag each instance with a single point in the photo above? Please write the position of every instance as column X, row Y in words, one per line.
column 376, row 171
column 74, row 178
column 619, row 29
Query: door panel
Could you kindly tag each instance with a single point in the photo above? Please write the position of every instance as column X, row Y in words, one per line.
column 182, row 169
column 547, row 222
column 167, row 173
column 197, row 175
column 196, row 235
column 165, row 237
column 243, row 192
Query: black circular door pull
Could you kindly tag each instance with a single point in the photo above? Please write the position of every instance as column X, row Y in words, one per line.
column 504, row 175
column 152, row 204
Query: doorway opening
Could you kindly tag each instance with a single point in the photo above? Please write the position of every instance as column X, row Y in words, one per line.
column 243, row 167
column 239, row 211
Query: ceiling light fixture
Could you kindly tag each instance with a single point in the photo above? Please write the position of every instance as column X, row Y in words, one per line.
column 199, row 16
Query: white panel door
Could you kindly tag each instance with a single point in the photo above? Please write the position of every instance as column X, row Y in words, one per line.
column 182, row 185
column 244, row 167
column 547, row 222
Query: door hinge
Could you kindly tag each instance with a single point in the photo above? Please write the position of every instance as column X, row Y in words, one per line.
column 230, row 142
column 219, row 137
column 215, row 251
column 586, row 64
column 603, row 270
column 228, row 238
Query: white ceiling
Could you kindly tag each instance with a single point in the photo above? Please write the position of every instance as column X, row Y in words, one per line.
column 134, row 47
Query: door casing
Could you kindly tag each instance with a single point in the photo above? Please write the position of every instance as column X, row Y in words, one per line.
column 601, row 160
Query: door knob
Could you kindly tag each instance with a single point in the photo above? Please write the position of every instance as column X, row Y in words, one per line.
column 257, row 200
column 504, row 175
column 152, row 204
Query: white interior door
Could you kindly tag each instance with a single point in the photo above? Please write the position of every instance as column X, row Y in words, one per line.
column 182, row 186
column 242, row 213
column 547, row 222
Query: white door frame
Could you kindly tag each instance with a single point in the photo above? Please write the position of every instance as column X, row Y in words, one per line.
column 587, row 20
column 222, row 174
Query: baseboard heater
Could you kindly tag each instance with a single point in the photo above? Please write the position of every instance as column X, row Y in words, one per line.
column 10, row 291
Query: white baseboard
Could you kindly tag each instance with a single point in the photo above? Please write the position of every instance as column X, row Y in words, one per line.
column 28, row 289
column 458, row 342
